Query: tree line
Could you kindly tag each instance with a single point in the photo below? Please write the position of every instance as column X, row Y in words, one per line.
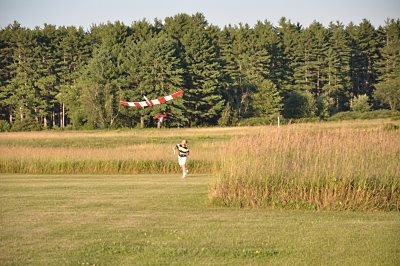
column 54, row 77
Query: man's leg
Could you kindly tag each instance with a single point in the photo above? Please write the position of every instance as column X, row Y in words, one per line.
column 184, row 170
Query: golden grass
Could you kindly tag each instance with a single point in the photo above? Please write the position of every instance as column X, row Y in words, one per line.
column 100, row 152
column 135, row 159
column 74, row 151
column 200, row 151
column 313, row 167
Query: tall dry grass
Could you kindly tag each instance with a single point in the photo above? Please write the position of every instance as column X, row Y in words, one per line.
column 311, row 167
column 134, row 159
column 112, row 152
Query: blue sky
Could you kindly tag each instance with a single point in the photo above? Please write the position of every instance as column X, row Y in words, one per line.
column 31, row 13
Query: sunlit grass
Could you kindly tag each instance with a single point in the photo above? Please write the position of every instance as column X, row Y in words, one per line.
column 310, row 167
column 104, row 152
column 162, row 219
column 341, row 165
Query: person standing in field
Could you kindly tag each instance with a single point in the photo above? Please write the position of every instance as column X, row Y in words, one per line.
column 183, row 154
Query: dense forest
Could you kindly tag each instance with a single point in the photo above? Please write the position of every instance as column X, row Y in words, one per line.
column 66, row 77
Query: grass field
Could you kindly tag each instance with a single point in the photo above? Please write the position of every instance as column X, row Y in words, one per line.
column 116, row 197
column 162, row 219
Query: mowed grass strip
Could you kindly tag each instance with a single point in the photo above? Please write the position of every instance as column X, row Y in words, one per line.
column 162, row 219
column 118, row 138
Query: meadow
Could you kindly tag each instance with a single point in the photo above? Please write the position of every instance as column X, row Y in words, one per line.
column 322, row 193
column 337, row 165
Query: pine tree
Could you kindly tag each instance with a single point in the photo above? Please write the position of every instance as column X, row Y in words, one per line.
column 267, row 37
column 20, row 88
column 389, row 64
column 101, row 77
column 97, row 90
column 58, row 76
column 309, row 74
column 46, row 83
column 6, row 64
column 292, row 58
column 266, row 101
column 232, row 81
column 177, row 26
column 73, row 53
column 154, row 69
column 142, row 30
column 364, row 56
column 203, row 100
column 388, row 89
column 337, row 79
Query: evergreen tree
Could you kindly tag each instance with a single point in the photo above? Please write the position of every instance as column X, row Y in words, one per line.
column 73, row 52
column 337, row 79
column 20, row 89
column 6, row 64
column 46, row 82
column 266, row 101
column 98, row 91
column 53, row 76
column 177, row 26
column 142, row 31
column 292, row 58
column 364, row 46
column 246, row 66
column 100, row 81
column 389, row 64
column 232, row 79
column 267, row 37
column 203, row 100
column 309, row 75
column 154, row 69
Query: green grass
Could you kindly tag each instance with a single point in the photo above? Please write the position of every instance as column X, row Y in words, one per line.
column 376, row 114
column 162, row 219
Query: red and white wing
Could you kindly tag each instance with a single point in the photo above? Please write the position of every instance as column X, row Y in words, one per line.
column 136, row 104
column 153, row 102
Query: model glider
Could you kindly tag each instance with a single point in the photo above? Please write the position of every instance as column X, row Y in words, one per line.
column 148, row 102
